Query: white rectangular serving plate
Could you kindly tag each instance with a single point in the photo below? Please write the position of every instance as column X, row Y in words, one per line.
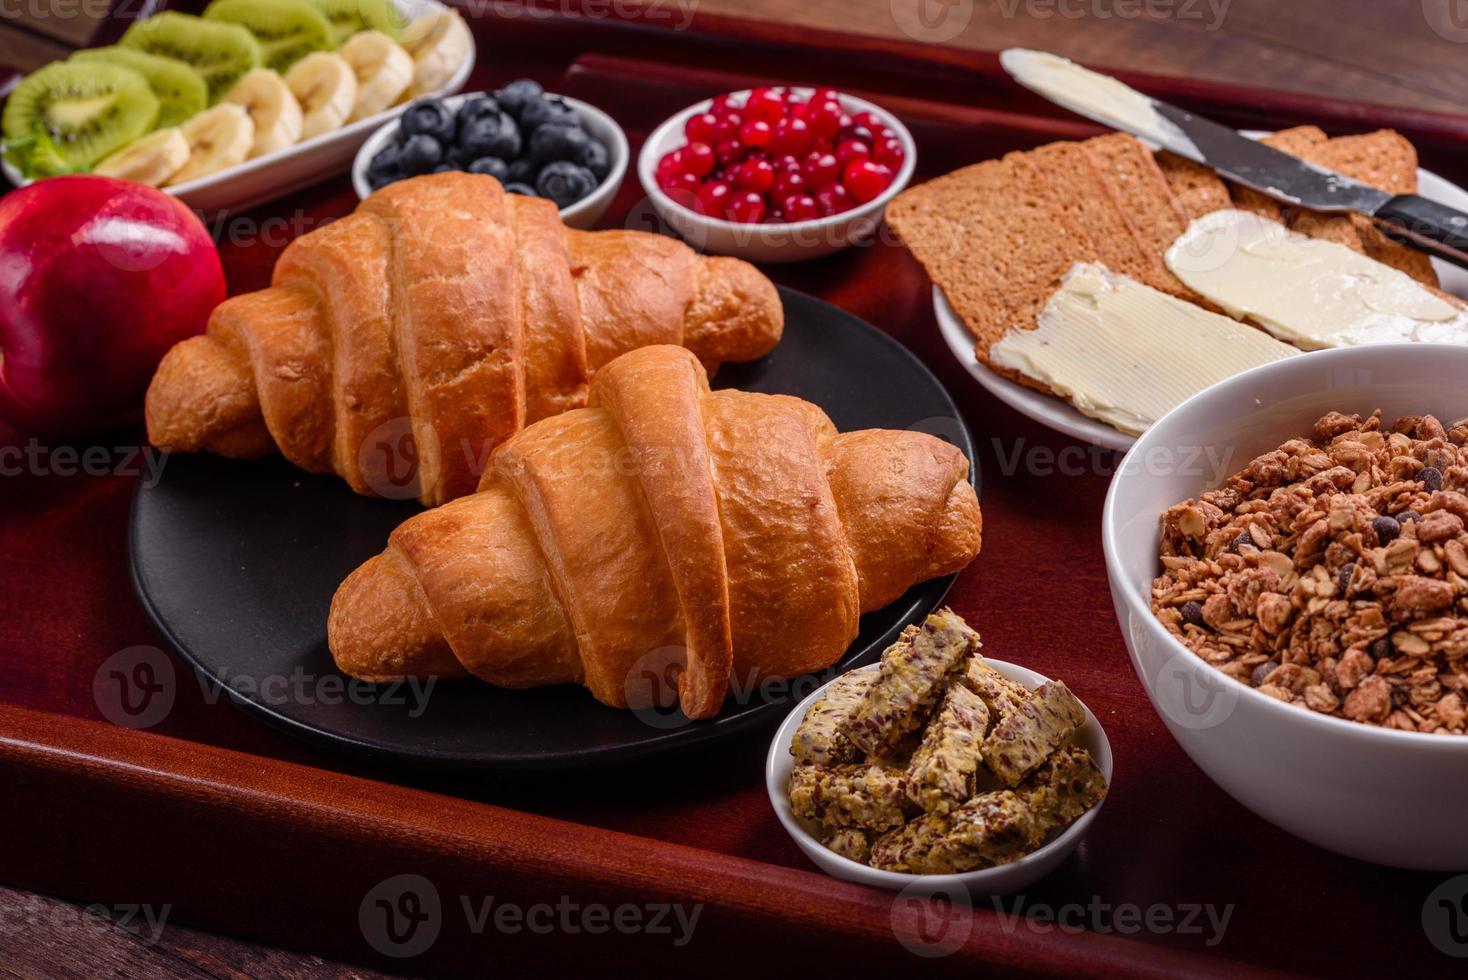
column 278, row 174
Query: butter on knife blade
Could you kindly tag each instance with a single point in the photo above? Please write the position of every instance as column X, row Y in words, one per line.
column 1125, row 353
column 1311, row 292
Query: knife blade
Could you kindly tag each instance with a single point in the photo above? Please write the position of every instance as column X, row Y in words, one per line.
column 1426, row 224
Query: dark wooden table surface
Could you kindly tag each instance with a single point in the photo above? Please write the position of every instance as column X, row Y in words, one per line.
column 1402, row 52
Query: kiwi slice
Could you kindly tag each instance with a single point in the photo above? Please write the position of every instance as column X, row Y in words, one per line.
column 287, row 30
column 86, row 110
column 181, row 90
column 347, row 17
column 218, row 51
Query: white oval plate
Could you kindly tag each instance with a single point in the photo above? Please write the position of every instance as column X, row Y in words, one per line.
column 277, row 174
column 1060, row 415
column 1000, row 880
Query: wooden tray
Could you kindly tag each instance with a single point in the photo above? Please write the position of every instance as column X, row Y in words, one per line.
column 244, row 830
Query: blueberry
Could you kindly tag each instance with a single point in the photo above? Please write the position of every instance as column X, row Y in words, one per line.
column 525, row 190
column 476, row 108
column 428, row 117
column 594, row 157
column 443, row 168
column 493, row 166
column 382, row 179
column 565, row 182
column 546, row 109
column 557, row 142
column 522, row 172
column 514, row 97
column 420, row 154
column 490, row 136
column 386, row 161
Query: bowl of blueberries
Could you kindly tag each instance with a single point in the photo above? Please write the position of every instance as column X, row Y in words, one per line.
column 534, row 143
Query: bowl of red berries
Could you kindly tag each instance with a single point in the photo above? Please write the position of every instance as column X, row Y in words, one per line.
column 776, row 174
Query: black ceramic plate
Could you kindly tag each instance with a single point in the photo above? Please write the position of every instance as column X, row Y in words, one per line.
column 236, row 564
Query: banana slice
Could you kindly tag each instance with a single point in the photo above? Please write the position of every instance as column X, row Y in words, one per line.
column 151, row 160
column 326, row 88
column 439, row 43
column 383, row 69
column 272, row 108
column 218, row 138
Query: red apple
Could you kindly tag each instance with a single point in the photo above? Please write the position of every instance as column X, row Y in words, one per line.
column 98, row 279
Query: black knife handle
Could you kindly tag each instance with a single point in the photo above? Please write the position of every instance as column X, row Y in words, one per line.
column 1430, row 226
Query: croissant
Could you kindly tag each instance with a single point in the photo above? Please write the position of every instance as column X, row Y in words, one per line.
column 397, row 346
column 663, row 529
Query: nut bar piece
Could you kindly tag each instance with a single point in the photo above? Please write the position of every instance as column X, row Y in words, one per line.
column 999, row 692
column 848, row 796
column 910, row 682
column 1031, row 729
column 941, row 774
column 850, row 842
column 992, row 828
column 1065, row 786
column 819, row 740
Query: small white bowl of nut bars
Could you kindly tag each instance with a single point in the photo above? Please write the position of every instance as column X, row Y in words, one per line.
column 939, row 770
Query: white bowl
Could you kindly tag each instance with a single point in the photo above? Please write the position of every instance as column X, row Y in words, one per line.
column 792, row 241
column 1396, row 798
column 307, row 162
column 1001, row 880
column 585, row 212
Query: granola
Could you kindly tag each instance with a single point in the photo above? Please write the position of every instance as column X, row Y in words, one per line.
column 1332, row 573
column 911, row 682
column 941, row 774
column 819, row 740
column 870, row 797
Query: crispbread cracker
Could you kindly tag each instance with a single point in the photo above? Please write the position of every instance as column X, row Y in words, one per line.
column 991, row 238
column 1142, row 193
column 1197, row 189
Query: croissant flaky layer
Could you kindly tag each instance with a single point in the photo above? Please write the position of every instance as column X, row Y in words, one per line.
column 665, row 530
column 399, row 345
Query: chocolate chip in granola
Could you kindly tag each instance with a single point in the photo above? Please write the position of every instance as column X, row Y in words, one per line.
column 1382, row 648
column 1344, row 576
column 1430, row 477
column 1263, row 671
column 1192, row 614
column 1408, row 515
column 1386, row 529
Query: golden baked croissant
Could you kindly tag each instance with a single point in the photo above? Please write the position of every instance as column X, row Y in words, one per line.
column 397, row 346
column 664, row 527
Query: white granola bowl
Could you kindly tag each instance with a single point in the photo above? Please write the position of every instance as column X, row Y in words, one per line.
column 1395, row 798
column 1002, row 880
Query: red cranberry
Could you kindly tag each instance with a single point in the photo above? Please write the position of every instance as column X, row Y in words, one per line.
column 697, row 159
column 756, row 133
column 823, row 118
column 833, row 198
column 889, row 152
column 849, row 151
column 679, row 180
column 728, row 152
column 821, row 169
column 785, row 163
column 700, row 127
column 825, row 94
column 756, row 175
column 719, row 105
column 792, row 136
column 800, row 207
column 866, row 179
column 789, row 184
column 746, row 206
column 728, row 127
column 869, row 119
column 764, row 105
column 713, row 198
column 855, row 132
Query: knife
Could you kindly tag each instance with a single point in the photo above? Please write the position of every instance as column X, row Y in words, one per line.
column 1432, row 227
